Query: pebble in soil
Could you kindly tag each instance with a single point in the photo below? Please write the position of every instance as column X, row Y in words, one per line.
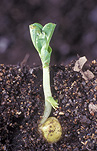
column 21, row 107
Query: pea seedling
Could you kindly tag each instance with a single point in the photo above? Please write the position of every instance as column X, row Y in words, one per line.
column 41, row 37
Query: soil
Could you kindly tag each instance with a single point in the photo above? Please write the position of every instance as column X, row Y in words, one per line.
column 22, row 105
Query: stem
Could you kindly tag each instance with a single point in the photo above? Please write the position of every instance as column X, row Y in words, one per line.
column 47, row 93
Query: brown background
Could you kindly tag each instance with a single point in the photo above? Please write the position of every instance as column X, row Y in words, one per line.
column 76, row 30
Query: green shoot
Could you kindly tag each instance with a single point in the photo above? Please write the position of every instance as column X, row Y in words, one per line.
column 41, row 37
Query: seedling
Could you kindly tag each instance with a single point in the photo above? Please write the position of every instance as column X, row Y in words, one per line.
column 41, row 37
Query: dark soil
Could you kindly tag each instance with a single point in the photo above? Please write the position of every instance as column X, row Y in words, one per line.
column 21, row 107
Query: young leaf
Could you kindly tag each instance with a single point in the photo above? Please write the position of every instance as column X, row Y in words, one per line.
column 45, row 56
column 41, row 37
column 49, row 29
column 35, row 31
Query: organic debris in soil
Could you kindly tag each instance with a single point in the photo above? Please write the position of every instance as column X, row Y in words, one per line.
column 87, row 75
column 21, row 107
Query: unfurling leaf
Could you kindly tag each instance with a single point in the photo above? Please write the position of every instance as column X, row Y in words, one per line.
column 41, row 37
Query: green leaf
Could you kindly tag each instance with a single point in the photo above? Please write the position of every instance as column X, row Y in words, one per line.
column 41, row 37
column 35, row 31
column 48, row 29
column 45, row 56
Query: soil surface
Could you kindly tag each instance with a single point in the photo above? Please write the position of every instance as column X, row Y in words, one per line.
column 22, row 105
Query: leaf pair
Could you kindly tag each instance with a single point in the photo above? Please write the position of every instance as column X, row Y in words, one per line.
column 41, row 37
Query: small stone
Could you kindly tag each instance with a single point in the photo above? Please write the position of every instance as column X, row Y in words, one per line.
column 85, row 120
column 92, row 108
column 61, row 113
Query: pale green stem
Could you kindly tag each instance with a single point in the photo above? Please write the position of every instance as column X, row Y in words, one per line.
column 47, row 93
